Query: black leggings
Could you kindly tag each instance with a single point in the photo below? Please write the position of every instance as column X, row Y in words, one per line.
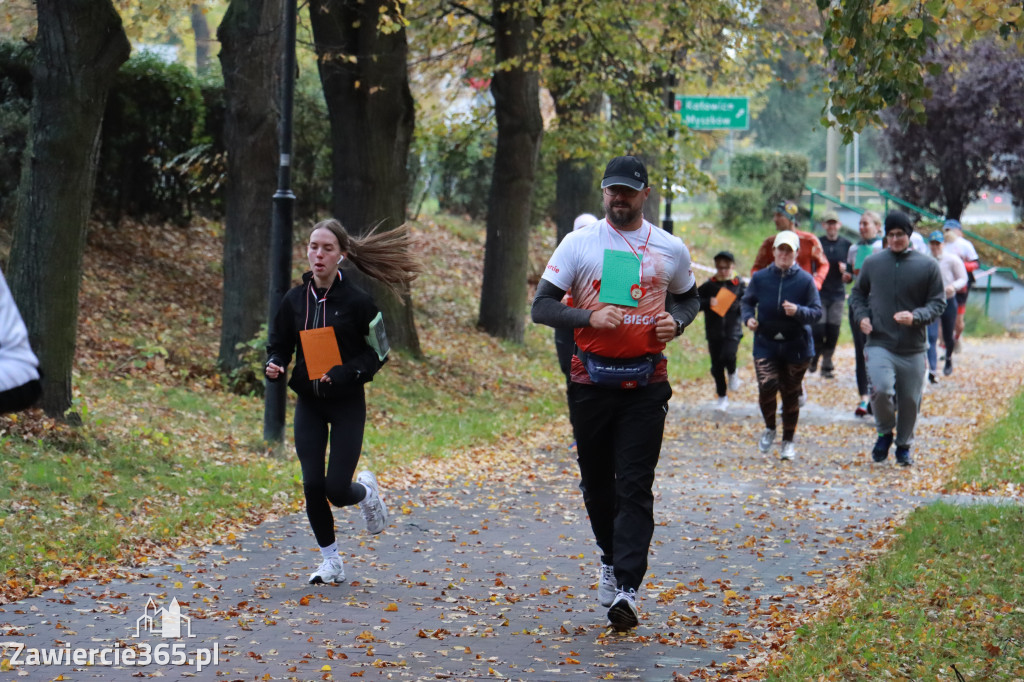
column 723, row 360
column 329, row 482
column 859, row 340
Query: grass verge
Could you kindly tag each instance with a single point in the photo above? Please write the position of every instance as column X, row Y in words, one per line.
column 946, row 594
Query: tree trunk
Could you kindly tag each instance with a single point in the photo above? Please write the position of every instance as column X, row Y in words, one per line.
column 366, row 85
column 576, row 192
column 79, row 48
column 516, row 91
column 201, row 33
column 250, row 58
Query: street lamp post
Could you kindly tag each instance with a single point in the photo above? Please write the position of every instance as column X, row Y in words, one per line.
column 670, row 100
column 275, row 399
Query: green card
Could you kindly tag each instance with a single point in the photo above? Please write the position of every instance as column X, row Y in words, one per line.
column 863, row 251
column 620, row 272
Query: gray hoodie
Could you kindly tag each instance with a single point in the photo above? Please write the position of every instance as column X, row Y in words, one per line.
column 890, row 282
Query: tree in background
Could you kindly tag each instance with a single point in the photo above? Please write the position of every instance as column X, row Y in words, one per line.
column 971, row 138
column 79, row 46
column 879, row 51
column 361, row 54
column 250, row 58
column 516, row 90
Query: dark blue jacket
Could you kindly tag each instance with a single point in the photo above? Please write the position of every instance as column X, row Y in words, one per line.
column 779, row 336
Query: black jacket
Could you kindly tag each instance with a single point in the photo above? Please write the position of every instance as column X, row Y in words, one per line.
column 349, row 310
column 717, row 327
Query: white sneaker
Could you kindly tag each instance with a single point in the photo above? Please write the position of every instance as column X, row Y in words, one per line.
column 735, row 382
column 623, row 613
column 723, row 404
column 374, row 511
column 788, row 450
column 802, row 400
column 330, row 571
column 606, row 587
column 767, row 440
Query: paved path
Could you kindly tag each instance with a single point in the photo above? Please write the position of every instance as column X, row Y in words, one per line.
column 489, row 572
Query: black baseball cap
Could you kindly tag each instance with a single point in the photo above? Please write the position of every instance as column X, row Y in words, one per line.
column 625, row 170
column 724, row 255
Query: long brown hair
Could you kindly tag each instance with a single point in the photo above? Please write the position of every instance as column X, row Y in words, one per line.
column 385, row 256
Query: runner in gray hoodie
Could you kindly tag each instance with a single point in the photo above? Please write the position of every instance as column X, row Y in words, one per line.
column 897, row 294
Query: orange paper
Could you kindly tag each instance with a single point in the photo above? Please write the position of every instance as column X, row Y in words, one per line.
column 320, row 349
column 723, row 301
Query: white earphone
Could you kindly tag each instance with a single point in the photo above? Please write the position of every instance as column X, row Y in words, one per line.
column 341, row 259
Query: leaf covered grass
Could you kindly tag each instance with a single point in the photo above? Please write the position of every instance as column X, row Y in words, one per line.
column 945, row 595
column 995, row 464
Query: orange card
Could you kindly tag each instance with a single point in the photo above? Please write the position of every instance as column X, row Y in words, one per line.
column 723, row 301
column 320, row 348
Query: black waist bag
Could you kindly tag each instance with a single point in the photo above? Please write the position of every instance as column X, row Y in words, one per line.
column 619, row 372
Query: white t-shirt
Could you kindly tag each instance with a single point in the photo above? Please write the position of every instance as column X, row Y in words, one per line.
column 963, row 248
column 953, row 271
column 576, row 267
column 18, row 364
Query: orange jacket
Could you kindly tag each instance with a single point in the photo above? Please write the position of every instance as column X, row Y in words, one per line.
column 810, row 257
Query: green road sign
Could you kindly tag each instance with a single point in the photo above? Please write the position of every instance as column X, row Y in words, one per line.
column 715, row 113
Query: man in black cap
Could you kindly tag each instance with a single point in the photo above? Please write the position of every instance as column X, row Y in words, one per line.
column 633, row 291
column 898, row 293
column 722, row 326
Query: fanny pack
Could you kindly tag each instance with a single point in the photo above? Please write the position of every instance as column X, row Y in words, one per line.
column 619, row 372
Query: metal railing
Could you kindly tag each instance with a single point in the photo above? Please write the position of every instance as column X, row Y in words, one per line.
column 887, row 197
column 988, row 281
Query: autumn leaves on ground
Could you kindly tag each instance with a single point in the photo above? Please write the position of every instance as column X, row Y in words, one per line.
column 167, row 457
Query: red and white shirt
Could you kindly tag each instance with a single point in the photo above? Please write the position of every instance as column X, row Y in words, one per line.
column 664, row 265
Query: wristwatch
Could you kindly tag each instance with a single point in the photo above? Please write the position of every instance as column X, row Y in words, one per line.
column 679, row 327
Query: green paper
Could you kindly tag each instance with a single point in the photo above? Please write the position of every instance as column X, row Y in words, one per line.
column 863, row 251
column 619, row 272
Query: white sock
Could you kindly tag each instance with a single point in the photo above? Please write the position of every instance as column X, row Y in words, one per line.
column 330, row 551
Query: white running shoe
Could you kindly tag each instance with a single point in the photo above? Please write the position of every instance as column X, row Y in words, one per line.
column 723, row 404
column 788, row 450
column 374, row 511
column 606, row 587
column 767, row 440
column 623, row 613
column 735, row 382
column 331, row 570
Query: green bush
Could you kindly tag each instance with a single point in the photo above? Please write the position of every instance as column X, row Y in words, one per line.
column 777, row 176
column 15, row 100
column 311, row 149
column 154, row 116
column 460, row 160
column 740, row 205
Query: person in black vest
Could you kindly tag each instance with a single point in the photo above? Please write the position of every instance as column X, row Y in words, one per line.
column 723, row 331
column 833, row 296
column 331, row 403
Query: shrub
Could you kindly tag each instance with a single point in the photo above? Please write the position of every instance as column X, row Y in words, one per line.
column 776, row 176
column 461, row 157
column 311, row 149
column 15, row 100
column 739, row 205
column 154, row 115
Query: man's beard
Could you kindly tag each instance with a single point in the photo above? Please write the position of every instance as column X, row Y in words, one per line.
column 622, row 216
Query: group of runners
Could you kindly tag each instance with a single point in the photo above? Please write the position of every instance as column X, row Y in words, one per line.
column 797, row 332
